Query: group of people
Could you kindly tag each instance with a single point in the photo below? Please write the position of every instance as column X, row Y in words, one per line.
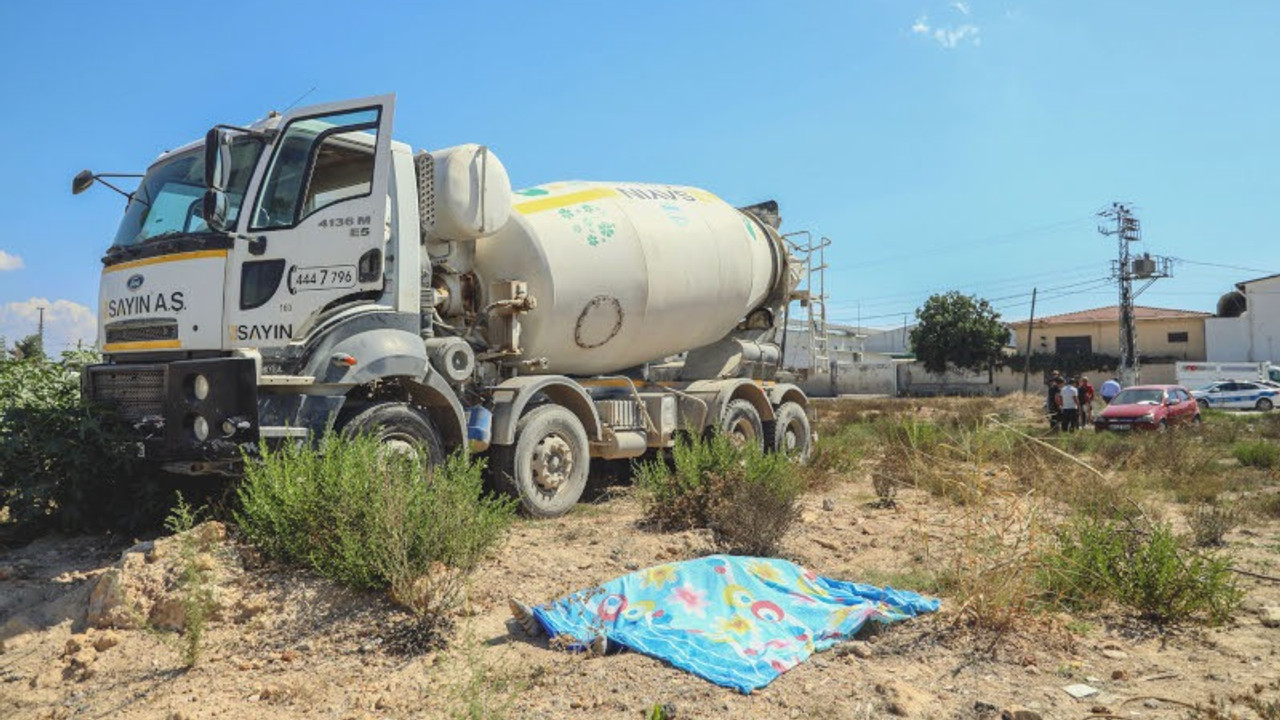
column 1070, row 400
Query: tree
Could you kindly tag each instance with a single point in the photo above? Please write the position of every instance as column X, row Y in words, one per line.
column 961, row 330
column 30, row 347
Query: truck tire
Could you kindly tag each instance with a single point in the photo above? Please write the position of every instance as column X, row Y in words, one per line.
column 546, row 467
column 789, row 433
column 400, row 427
column 742, row 424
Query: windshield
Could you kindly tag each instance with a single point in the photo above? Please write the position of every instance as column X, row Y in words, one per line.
column 1136, row 396
column 169, row 198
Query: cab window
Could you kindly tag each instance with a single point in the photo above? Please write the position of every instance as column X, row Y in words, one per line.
column 319, row 161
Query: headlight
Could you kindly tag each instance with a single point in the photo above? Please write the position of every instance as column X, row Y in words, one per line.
column 1149, row 417
column 200, row 387
column 200, row 427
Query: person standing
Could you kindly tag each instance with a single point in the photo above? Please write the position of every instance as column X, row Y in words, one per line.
column 1055, row 404
column 1109, row 390
column 1070, row 403
column 1086, row 401
column 1053, row 385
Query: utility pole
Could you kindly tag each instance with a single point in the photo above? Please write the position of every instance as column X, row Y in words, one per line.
column 1125, row 269
column 1031, row 326
column 40, row 331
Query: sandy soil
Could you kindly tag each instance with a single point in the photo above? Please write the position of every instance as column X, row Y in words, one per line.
column 290, row 645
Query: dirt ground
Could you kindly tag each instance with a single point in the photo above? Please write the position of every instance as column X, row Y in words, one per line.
column 289, row 645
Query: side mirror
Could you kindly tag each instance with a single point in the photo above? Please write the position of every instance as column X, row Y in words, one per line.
column 215, row 209
column 217, row 158
column 82, row 181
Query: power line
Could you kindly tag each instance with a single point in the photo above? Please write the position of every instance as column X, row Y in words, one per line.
column 978, row 287
column 1226, row 267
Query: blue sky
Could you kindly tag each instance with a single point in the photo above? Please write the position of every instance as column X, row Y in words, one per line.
column 941, row 145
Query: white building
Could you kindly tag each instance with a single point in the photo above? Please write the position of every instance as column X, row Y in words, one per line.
column 1246, row 327
column 852, row 360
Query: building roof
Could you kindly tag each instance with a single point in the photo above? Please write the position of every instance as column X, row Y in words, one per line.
column 1241, row 285
column 1111, row 313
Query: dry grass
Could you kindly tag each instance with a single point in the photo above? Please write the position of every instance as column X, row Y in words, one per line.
column 1013, row 484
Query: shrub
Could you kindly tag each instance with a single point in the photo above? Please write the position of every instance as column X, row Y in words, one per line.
column 1210, row 522
column 1096, row 561
column 1268, row 506
column 63, row 463
column 756, row 504
column 747, row 498
column 1257, row 453
column 370, row 518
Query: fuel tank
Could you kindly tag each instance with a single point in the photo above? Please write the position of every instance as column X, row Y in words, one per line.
column 625, row 273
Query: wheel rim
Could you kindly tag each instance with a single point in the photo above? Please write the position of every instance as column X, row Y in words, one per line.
column 401, row 445
column 552, row 462
column 742, row 432
column 1264, row 404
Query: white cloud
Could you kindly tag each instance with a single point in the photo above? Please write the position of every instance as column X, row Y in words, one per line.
column 950, row 36
column 963, row 7
column 65, row 322
column 10, row 262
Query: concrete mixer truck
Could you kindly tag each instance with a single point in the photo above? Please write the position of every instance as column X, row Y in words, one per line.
column 308, row 274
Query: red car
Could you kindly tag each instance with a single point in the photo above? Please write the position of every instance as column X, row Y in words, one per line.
column 1149, row 407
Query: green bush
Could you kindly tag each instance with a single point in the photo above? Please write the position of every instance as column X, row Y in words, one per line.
column 1151, row 573
column 63, row 463
column 746, row 497
column 1257, row 453
column 371, row 518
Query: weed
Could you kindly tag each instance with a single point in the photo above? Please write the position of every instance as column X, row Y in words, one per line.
column 1210, row 522
column 196, row 581
column 1257, row 453
column 372, row 519
column 839, row 451
column 1096, row 561
column 487, row 689
column 746, row 497
column 1268, row 506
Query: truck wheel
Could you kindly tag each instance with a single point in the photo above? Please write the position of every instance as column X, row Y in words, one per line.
column 742, row 424
column 1264, row 405
column 546, row 467
column 400, row 428
column 790, row 433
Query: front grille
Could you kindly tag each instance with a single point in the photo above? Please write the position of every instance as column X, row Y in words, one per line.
column 141, row 332
column 134, row 392
column 619, row 414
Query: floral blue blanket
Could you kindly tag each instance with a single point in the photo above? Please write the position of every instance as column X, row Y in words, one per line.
column 739, row 622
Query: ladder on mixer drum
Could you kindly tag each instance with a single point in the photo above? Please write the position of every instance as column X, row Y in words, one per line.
column 812, row 294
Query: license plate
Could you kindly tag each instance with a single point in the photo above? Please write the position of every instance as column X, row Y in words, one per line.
column 1121, row 427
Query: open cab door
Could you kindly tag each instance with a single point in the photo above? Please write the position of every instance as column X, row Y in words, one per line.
column 313, row 230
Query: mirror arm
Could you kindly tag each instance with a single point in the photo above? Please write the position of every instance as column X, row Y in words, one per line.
column 130, row 196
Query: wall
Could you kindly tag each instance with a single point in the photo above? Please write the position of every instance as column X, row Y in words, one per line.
column 914, row 380
column 1227, row 339
column 1264, row 320
column 855, row 378
column 1153, row 337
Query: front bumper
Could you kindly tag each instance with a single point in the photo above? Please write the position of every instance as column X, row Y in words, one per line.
column 1124, row 424
column 159, row 402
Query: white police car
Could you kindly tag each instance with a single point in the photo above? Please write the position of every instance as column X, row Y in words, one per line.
column 1237, row 394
